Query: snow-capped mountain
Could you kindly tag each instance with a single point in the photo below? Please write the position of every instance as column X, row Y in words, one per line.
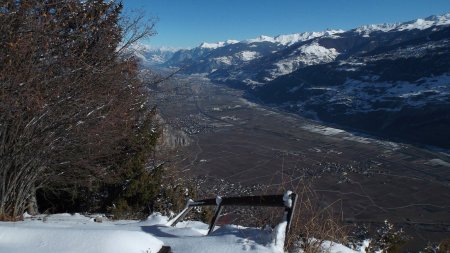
column 418, row 24
column 391, row 79
column 392, row 82
column 150, row 56
column 290, row 39
column 218, row 44
column 223, row 56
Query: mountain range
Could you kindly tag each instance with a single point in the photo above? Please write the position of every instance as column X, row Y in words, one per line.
column 391, row 80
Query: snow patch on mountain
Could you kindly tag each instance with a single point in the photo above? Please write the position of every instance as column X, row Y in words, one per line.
column 147, row 47
column 366, row 30
column 366, row 96
column 308, row 54
column 262, row 38
column 243, row 56
column 248, row 55
column 149, row 54
column 252, row 84
column 420, row 24
column 218, row 44
column 426, row 23
column 290, row 39
column 227, row 60
column 317, row 54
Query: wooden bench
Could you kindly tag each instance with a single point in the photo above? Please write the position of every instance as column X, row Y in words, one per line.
column 286, row 200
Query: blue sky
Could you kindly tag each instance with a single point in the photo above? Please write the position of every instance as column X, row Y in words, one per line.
column 187, row 23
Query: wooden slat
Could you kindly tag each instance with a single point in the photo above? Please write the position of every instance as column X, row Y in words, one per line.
column 203, row 202
column 267, row 200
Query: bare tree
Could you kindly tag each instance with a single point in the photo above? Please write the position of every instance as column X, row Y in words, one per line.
column 72, row 108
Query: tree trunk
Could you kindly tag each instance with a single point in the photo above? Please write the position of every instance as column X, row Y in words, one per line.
column 32, row 207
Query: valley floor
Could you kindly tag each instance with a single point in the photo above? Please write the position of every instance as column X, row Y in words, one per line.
column 223, row 137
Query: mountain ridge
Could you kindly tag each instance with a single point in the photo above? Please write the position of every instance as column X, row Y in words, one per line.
column 390, row 79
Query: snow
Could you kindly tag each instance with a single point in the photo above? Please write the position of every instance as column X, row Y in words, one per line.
column 218, row 44
column 27, row 215
column 73, row 233
column 287, row 199
column 364, row 95
column 212, row 45
column 252, row 83
column 294, row 89
column 369, row 94
column 279, row 235
column 78, row 233
column 439, row 162
column 420, row 24
column 330, row 131
column 153, row 55
column 227, row 60
column 317, row 53
column 248, row 55
column 146, row 47
column 426, row 23
column 332, row 247
column 289, row 39
column 262, row 38
column 308, row 54
column 297, row 37
column 174, row 219
column 218, row 200
column 366, row 30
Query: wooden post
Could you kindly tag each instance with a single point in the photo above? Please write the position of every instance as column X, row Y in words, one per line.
column 290, row 212
column 214, row 219
column 288, row 201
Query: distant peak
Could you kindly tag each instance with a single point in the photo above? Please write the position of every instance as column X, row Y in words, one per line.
column 420, row 23
column 217, row 44
column 442, row 17
column 151, row 48
column 232, row 41
column 289, row 39
column 365, row 30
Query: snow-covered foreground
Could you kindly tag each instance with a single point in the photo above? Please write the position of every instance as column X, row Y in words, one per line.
column 78, row 233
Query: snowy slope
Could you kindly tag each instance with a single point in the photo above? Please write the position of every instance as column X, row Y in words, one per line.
column 73, row 233
column 419, row 24
column 369, row 95
column 77, row 233
column 210, row 57
column 308, row 54
column 290, row 39
column 149, row 55
column 217, row 44
column 256, row 61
